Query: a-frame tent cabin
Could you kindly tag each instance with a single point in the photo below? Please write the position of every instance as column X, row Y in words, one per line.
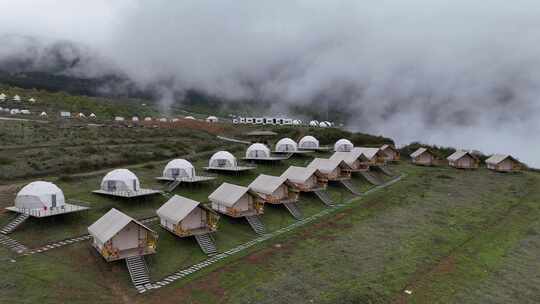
column 332, row 170
column 355, row 159
column 463, row 160
column 274, row 189
column 423, row 157
column 305, row 179
column 390, row 152
column 503, row 163
column 236, row 201
column 185, row 217
column 117, row 236
column 374, row 155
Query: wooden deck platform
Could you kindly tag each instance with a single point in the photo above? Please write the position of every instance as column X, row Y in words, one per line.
column 128, row 194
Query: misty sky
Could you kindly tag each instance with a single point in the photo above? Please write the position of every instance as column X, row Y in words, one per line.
column 459, row 73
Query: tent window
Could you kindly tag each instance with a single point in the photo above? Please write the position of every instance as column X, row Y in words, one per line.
column 53, row 201
column 111, row 186
column 134, row 185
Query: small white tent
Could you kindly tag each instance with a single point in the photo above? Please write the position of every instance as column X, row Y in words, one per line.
column 120, row 180
column 3, row 97
column 297, row 122
column 308, row 142
column 92, row 115
column 257, row 150
column 286, row 145
column 222, row 159
column 189, row 117
column 16, row 98
column 32, row 100
column 81, row 115
column 40, row 195
column 179, row 168
column 134, row 118
column 43, row 114
column 212, row 119
column 343, row 145
column 148, row 119
column 313, row 123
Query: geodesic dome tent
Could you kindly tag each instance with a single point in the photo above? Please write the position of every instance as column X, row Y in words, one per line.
column 257, row 151
column 313, row 123
column 120, row 180
column 343, row 145
column 296, row 122
column 308, row 142
column 179, row 168
column 324, row 124
column 222, row 159
column 40, row 195
column 286, row 145
column 189, row 117
column 212, row 119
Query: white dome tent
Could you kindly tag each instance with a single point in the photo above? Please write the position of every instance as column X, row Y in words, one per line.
column 212, row 119
column 40, row 195
column 324, row 124
column 3, row 97
column 308, row 142
column 222, row 159
column 297, row 122
column 43, row 114
column 286, row 145
column 189, row 117
column 343, row 145
column 179, row 168
column 16, row 98
column 92, row 115
column 225, row 161
column 32, row 100
column 313, row 123
column 123, row 183
column 41, row 199
column 257, row 150
column 148, row 119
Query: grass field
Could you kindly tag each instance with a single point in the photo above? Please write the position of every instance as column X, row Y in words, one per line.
column 449, row 236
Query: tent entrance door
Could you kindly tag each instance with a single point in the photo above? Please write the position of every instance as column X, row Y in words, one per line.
column 175, row 172
column 53, row 201
column 111, row 186
column 134, row 185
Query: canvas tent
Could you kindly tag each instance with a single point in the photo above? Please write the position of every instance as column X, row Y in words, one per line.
column 343, row 145
column 257, row 151
column 390, row 152
column 374, row 155
column 355, row 159
column 463, row 160
column 305, row 179
column 186, row 217
column 117, row 236
column 123, row 183
column 286, row 145
column 308, row 142
column 236, row 201
column 503, row 163
column 423, row 157
column 211, row 119
column 332, row 169
column 16, row 98
column 273, row 189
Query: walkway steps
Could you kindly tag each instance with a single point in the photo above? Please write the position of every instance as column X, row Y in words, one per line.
column 138, row 271
column 256, row 223
column 9, row 228
column 370, row 178
column 349, row 185
column 12, row 244
column 206, row 243
column 171, row 186
column 294, row 210
column 324, row 197
column 386, row 171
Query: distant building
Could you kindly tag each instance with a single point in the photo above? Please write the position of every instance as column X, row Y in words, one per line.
column 391, row 153
column 423, row 157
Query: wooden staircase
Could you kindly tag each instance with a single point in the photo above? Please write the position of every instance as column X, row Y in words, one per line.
column 294, row 210
column 324, row 197
column 370, row 178
column 138, row 270
column 256, row 223
column 386, row 171
column 12, row 244
column 171, row 186
column 206, row 243
column 348, row 184
column 11, row 226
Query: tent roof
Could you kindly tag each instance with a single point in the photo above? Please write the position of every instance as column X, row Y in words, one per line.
column 343, row 141
column 419, row 152
column 498, row 158
column 300, row 174
column 267, row 184
column 110, row 224
column 384, row 147
column 308, row 138
column 368, row 152
column 326, row 165
column 39, row 188
column 223, row 155
column 120, row 175
column 177, row 208
column 179, row 163
column 228, row 194
column 459, row 154
column 258, row 146
column 286, row 141
column 349, row 157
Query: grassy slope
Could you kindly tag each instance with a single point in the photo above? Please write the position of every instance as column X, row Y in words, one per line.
column 437, row 233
